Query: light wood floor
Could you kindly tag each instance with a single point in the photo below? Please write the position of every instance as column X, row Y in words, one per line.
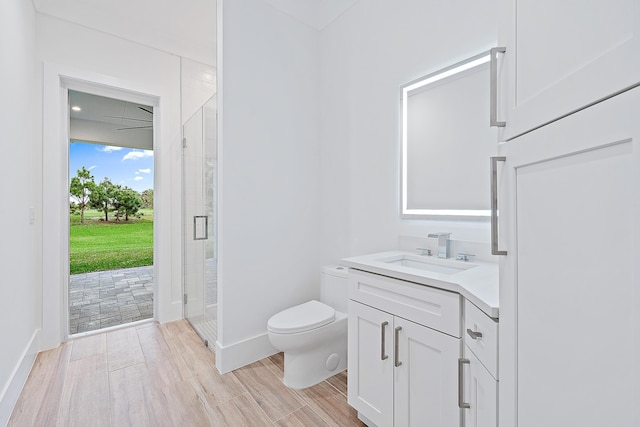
column 162, row 375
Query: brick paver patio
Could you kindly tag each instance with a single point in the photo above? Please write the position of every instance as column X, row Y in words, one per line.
column 109, row 298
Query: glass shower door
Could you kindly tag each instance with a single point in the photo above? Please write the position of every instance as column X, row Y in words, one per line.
column 199, row 227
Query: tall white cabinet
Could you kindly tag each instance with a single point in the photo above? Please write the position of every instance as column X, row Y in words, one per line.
column 564, row 55
column 569, row 200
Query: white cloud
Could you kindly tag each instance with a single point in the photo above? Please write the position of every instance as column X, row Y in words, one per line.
column 92, row 167
column 143, row 171
column 138, row 178
column 109, row 149
column 137, row 154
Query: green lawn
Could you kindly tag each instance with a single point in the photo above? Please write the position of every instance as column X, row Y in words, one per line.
column 98, row 246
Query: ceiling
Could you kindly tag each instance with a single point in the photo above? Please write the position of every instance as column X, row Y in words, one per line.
column 315, row 13
column 110, row 121
column 185, row 28
column 109, row 110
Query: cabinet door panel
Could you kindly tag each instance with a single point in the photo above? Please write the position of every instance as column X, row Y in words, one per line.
column 564, row 55
column 425, row 383
column 482, row 394
column 574, row 300
column 370, row 389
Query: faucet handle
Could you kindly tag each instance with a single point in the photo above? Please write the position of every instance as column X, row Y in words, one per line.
column 439, row 234
column 464, row 257
column 424, row 251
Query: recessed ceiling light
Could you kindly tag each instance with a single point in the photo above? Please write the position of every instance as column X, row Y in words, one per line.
column 76, row 108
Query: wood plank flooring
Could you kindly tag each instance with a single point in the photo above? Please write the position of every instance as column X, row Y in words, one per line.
column 162, row 375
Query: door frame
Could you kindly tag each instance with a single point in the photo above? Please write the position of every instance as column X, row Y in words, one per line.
column 58, row 80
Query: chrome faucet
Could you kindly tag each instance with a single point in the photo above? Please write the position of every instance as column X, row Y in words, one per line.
column 443, row 243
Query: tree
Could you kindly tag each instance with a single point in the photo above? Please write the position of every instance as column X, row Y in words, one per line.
column 147, row 199
column 129, row 202
column 80, row 189
column 102, row 197
column 115, row 194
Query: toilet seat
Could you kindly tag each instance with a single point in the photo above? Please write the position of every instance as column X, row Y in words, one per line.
column 301, row 318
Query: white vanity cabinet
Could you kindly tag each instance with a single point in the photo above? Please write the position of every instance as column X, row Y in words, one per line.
column 562, row 56
column 478, row 369
column 481, row 393
column 404, row 346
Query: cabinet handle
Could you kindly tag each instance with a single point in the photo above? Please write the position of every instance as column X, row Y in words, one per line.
column 494, row 205
column 396, row 350
column 493, row 88
column 206, row 227
column 473, row 334
column 461, row 403
column 383, row 328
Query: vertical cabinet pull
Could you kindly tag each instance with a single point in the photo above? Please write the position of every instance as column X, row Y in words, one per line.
column 461, row 403
column 396, row 349
column 494, row 205
column 493, row 88
column 196, row 219
column 383, row 328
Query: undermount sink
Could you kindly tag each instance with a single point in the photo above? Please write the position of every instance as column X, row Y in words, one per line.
column 435, row 265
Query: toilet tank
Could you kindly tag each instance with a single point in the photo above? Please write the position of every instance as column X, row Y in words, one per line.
column 333, row 287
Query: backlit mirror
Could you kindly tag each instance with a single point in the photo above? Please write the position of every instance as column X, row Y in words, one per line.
column 447, row 142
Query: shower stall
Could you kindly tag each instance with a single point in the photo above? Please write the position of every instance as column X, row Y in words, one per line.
column 200, row 222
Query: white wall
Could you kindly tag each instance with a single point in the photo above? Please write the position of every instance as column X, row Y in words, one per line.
column 198, row 82
column 19, row 286
column 269, row 216
column 366, row 55
column 66, row 49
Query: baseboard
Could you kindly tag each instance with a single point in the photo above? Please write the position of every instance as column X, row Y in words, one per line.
column 242, row 353
column 13, row 387
column 169, row 313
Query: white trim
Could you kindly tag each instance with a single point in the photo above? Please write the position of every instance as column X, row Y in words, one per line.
column 55, row 278
column 111, row 328
column 447, row 212
column 244, row 352
column 12, row 389
column 220, row 219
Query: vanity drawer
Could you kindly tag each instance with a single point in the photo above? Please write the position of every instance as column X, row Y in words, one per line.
column 431, row 307
column 485, row 347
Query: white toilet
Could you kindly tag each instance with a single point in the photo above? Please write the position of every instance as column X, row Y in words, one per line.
column 313, row 335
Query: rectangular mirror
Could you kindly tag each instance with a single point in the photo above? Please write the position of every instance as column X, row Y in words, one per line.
column 447, row 141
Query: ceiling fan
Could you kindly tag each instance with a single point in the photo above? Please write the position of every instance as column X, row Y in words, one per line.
column 150, row 121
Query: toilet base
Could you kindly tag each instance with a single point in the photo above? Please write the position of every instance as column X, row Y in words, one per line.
column 306, row 370
column 312, row 357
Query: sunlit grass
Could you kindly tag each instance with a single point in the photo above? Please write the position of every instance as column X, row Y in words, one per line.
column 98, row 245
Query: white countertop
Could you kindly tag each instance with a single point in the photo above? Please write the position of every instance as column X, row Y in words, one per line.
column 478, row 284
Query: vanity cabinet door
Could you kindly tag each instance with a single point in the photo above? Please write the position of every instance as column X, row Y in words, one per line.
column 481, row 393
column 569, row 285
column 562, row 56
column 426, row 390
column 370, row 356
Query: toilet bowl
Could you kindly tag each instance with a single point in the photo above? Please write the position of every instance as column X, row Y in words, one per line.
column 313, row 335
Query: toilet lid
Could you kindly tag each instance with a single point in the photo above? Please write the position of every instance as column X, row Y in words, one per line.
column 300, row 318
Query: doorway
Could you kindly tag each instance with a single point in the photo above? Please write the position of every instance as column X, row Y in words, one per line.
column 111, row 166
column 199, row 227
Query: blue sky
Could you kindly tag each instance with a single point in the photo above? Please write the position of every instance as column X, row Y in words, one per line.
column 125, row 166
